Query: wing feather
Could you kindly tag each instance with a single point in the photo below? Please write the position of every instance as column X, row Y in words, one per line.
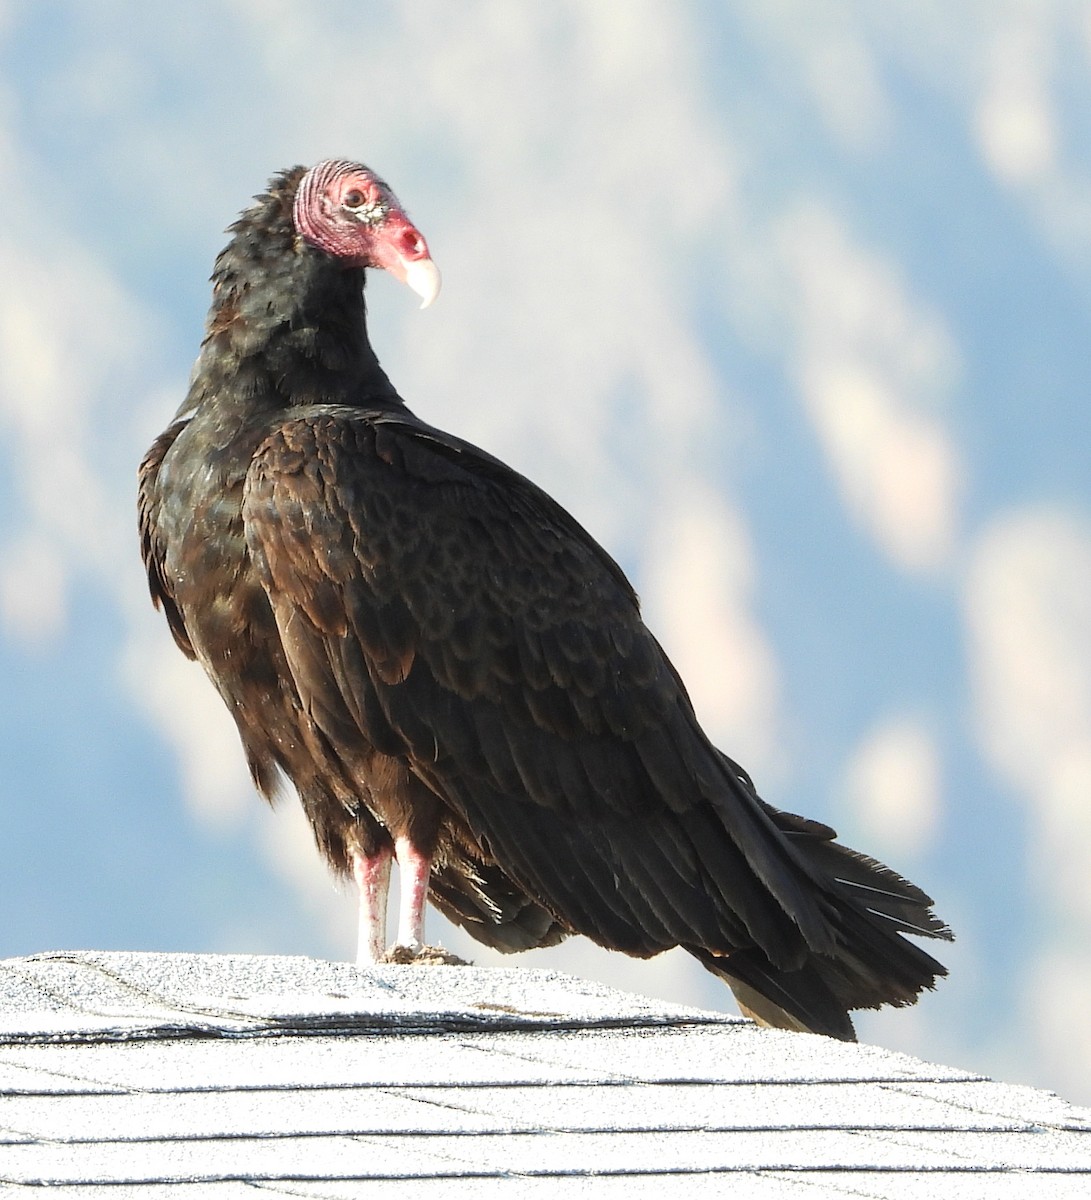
column 151, row 544
column 460, row 612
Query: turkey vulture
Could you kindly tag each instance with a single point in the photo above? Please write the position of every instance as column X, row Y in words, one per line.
column 452, row 672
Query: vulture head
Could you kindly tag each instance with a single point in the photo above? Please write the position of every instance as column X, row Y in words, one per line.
column 347, row 211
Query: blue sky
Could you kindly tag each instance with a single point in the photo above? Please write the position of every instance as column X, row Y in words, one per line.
column 790, row 307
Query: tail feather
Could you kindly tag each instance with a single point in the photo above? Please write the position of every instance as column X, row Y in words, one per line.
column 869, row 882
column 798, row 1000
column 868, row 907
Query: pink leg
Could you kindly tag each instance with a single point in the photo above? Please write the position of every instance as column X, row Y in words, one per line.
column 372, row 876
column 413, row 867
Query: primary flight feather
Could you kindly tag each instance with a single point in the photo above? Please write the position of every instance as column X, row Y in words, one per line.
column 451, row 671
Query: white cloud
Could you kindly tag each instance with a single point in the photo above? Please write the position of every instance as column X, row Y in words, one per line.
column 1030, row 85
column 68, row 337
column 287, row 843
column 1055, row 993
column 33, row 590
column 1027, row 599
column 874, row 366
column 849, row 89
column 178, row 698
column 897, row 468
column 1014, row 119
column 894, row 783
column 698, row 597
column 823, row 50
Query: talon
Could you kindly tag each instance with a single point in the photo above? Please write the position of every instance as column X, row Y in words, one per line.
column 423, row 956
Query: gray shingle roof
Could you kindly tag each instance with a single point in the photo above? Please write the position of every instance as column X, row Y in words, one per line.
column 189, row 1076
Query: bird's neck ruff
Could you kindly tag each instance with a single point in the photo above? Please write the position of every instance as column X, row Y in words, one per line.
column 287, row 326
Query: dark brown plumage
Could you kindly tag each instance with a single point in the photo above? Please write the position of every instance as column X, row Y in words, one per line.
column 452, row 672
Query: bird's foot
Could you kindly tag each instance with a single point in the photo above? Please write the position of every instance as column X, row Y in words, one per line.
column 423, row 956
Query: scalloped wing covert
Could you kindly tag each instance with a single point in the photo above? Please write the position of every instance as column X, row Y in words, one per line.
column 441, row 607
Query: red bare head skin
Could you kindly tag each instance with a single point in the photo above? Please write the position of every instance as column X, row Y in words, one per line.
column 346, row 210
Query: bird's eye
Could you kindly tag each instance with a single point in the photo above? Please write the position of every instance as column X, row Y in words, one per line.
column 366, row 205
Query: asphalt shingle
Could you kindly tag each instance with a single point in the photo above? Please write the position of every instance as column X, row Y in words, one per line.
column 221, row 1076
